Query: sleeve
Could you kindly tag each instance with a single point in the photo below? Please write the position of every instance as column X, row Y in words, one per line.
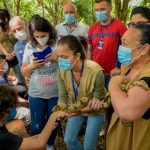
column 99, row 86
column 86, row 31
column 146, row 80
column 89, row 36
column 63, row 95
column 11, row 141
column 27, row 54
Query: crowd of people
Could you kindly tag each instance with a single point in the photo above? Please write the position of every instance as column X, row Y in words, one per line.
column 97, row 77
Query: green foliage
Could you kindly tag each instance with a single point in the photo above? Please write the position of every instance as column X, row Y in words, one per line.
column 27, row 9
column 53, row 12
column 85, row 13
column 145, row 3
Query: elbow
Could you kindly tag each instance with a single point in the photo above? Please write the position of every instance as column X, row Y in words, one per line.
column 41, row 144
column 127, row 115
column 23, row 72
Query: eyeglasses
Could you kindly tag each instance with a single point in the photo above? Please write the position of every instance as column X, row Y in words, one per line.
column 132, row 24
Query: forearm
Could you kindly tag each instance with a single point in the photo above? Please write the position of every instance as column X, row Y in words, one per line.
column 26, row 70
column 39, row 141
column 3, row 50
column 49, row 127
column 118, row 99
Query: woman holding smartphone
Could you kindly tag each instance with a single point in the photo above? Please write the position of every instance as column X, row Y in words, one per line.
column 43, row 90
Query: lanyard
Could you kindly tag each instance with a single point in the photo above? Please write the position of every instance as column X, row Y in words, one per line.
column 105, row 28
column 69, row 31
column 75, row 89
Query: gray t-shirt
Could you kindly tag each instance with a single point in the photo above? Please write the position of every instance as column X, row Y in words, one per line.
column 43, row 80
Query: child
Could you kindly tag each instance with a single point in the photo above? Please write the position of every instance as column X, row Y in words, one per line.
column 9, row 141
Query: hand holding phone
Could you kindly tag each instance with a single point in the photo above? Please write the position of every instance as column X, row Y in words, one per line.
column 37, row 63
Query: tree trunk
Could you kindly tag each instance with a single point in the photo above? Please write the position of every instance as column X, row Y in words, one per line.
column 5, row 4
column 17, row 5
column 121, row 9
column 93, row 10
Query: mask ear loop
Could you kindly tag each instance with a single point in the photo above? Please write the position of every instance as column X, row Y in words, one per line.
column 134, row 59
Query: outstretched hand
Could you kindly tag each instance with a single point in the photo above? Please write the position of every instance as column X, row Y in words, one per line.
column 37, row 63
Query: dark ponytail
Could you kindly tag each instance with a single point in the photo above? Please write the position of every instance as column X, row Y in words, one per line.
column 74, row 44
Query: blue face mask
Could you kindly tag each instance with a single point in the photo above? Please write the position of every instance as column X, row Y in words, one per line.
column 101, row 16
column 64, row 64
column 125, row 55
column 69, row 18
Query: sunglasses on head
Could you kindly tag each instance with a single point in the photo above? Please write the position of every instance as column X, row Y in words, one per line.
column 132, row 24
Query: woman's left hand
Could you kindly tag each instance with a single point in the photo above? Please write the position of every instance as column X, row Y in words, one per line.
column 51, row 56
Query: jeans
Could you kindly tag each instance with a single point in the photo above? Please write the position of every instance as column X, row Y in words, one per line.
column 41, row 109
column 93, row 127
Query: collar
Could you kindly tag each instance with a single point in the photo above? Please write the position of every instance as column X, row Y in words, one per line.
column 65, row 24
column 106, row 26
column 22, row 42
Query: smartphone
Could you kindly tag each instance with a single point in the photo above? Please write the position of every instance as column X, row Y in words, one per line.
column 41, row 55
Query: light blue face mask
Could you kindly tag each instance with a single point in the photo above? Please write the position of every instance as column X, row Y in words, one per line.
column 64, row 64
column 101, row 16
column 125, row 55
column 70, row 18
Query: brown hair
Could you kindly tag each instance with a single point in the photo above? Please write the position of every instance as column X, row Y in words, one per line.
column 74, row 44
column 98, row 1
column 8, row 99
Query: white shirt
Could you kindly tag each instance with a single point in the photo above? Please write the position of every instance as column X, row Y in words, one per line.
column 43, row 80
column 79, row 30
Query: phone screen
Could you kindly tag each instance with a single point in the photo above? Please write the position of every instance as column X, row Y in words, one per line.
column 42, row 54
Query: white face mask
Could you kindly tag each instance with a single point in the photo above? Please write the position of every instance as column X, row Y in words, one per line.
column 20, row 35
column 43, row 41
column 4, row 68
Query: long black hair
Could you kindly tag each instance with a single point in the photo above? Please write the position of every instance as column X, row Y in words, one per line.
column 8, row 99
column 4, row 17
column 143, row 11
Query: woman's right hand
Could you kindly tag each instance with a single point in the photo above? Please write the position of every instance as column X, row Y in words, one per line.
column 37, row 63
column 95, row 104
column 115, row 71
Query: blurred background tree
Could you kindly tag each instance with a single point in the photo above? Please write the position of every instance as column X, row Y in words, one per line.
column 53, row 9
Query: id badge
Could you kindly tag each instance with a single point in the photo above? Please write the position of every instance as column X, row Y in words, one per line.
column 100, row 44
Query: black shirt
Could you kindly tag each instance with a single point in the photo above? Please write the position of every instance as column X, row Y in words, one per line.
column 9, row 141
column 147, row 113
